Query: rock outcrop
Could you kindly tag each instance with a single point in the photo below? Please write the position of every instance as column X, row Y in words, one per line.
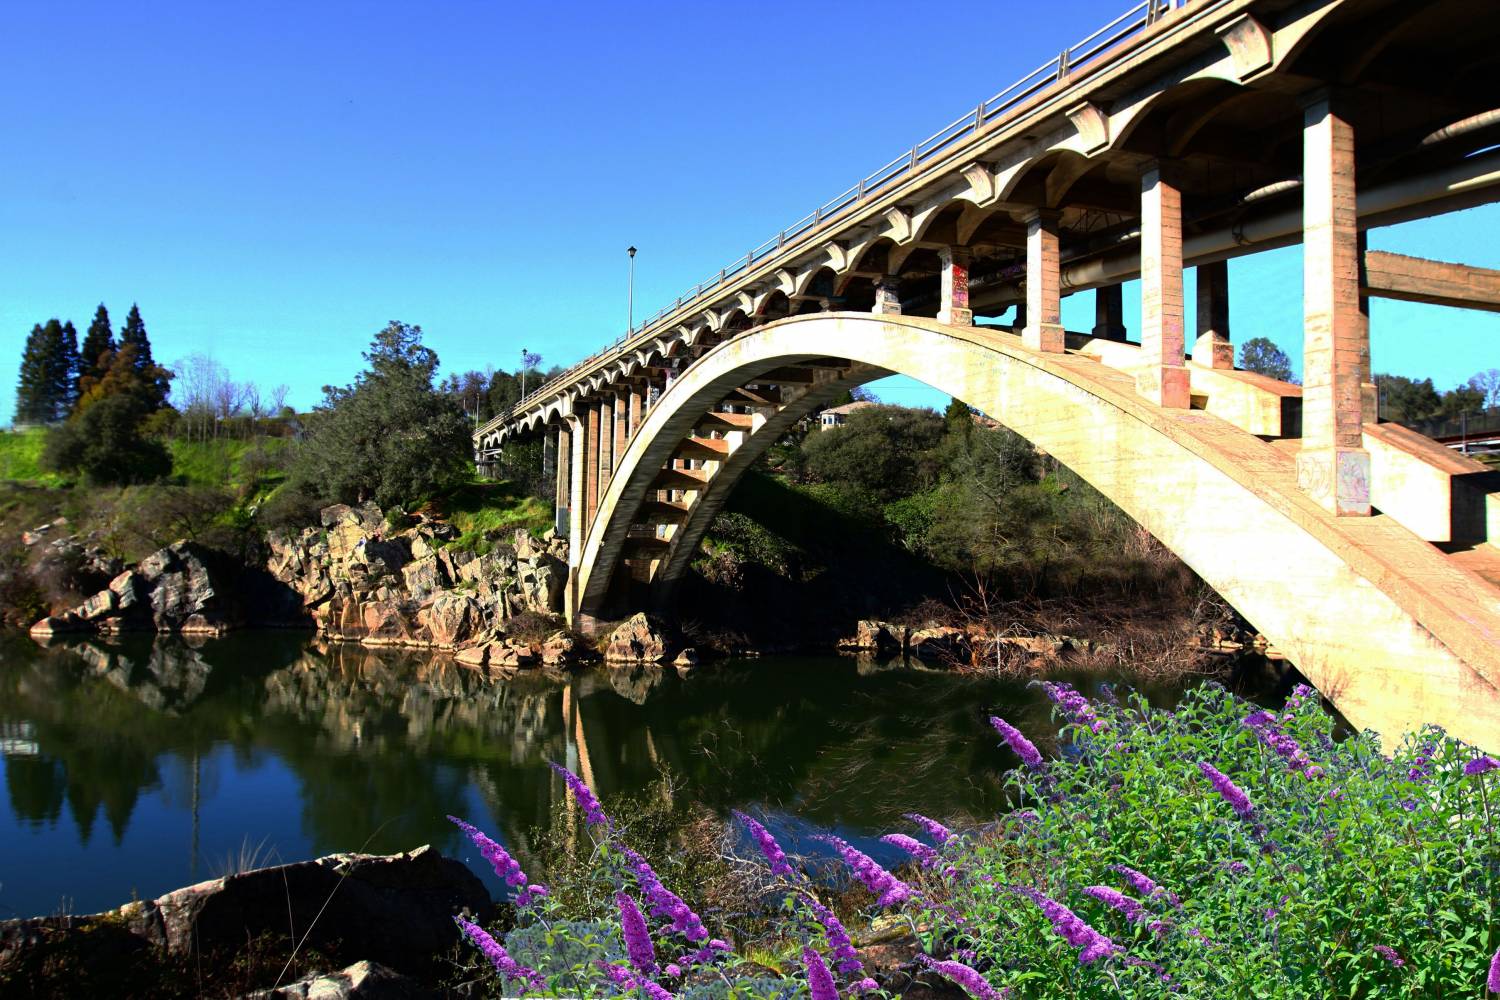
column 181, row 588
column 641, row 638
column 361, row 981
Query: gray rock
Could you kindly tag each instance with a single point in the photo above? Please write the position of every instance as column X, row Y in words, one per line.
column 361, row 981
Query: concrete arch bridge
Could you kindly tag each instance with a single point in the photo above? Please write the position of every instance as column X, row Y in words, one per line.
column 1181, row 136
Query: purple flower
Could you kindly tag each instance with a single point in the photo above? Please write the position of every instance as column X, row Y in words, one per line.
column 1144, row 885
column 1479, row 765
column 1072, row 929
column 1020, row 745
column 926, row 855
column 1235, row 867
column 637, row 935
column 819, row 979
column 629, row 979
column 1074, row 705
column 865, row 985
column 768, row 846
column 1421, row 764
column 935, row 830
column 673, row 969
column 882, row 883
column 1263, row 725
column 971, row 981
column 845, row 958
column 1116, row 900
column 1227, row 790
column 499, row 858
column 593, row 812
column 663, row 902
column 1390, row 954
column 702, row 956
column 1494, row 980
column 524, row 978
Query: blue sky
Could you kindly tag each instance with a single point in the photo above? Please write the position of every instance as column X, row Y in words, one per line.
column 272, row 182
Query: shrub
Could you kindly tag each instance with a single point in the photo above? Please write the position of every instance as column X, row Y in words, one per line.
column 1214, row 850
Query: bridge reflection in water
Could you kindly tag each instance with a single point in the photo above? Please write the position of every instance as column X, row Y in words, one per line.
column 142, row 767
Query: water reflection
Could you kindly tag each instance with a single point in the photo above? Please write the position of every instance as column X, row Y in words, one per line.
column 142, row 766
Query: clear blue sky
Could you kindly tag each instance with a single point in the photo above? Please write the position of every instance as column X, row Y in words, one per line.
column 272, row 182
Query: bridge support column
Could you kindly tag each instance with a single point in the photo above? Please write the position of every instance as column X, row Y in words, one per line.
column 1332, row 467
column 622, row 429
column 954, row 292
column 591, row 464
column 563, row 496
column 578, row 518
column 1018, row 322
column 635, row 408
column 1213, row 348
column 887, row 296
column 1162, row 379
column 1109, row 312
column 1043, row 330
column 1369, row 393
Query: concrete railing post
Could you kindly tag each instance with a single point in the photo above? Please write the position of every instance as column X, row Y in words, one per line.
column 954, row 291
column 1162, row 377
column 1332, row 467
column 888, row 296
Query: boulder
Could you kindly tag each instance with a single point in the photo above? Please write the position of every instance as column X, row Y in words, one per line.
column 101, row 605
column 639, row 639
column 62, row 624
column 453, row 618
column 385, row 622
column 687, row 658
column 882, row 637
column 424, row 577
column 941, row 643
column 557, row 649
column 361, row 981
column 183, row 586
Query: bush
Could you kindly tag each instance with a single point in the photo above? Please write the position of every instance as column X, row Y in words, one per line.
column 1214, row 850
column 104, row 443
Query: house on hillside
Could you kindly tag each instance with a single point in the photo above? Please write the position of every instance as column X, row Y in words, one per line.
column 834, row 416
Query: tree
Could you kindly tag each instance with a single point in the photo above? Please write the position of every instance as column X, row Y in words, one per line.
column 98, row 342
column 1488, row 382
column 1261, row 355
column 34, row 387
column 124, row 376
column 883, row 449
column 105, row 444
column 1406, row 400
column 390, row 436
column 1460, row 400
column 133, row 334
column 67, row 366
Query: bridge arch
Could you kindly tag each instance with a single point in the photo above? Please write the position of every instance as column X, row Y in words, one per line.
column 1424, row 646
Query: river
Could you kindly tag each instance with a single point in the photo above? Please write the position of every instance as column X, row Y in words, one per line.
column 136, row 768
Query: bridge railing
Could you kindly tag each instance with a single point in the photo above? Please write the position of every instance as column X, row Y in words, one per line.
column 1009, row 100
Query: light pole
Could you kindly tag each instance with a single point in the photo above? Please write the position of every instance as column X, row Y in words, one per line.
column 523, row 373
column 630, row 295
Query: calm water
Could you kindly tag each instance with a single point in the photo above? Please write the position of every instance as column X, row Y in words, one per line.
column 141, row 767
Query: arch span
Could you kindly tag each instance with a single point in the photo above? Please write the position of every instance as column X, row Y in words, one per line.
column 1378, row 619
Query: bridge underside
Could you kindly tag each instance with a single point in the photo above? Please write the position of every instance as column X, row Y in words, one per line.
column 1224, row 127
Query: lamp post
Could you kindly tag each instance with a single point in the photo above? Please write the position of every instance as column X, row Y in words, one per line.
column 630, row 295
column 523, row 373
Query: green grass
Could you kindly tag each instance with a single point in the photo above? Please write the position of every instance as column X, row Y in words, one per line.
column 482, row 508
column 20, row 454
column 222, row 463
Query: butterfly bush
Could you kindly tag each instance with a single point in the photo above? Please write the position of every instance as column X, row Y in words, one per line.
column 1217, row 849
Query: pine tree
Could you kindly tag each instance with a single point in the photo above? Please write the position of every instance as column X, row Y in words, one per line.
column 96, row 343
column 33, row 401
column 133, row 334
column 66, row 367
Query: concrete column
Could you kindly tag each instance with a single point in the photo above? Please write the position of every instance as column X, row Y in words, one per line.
column 622, row 429
column 954, row 309
column 1213, row 348
column 563, row 499
column 888, row 296
column 1043, row 330
column 1018, row 324
column 1162, row 377
column 636, row 410
column 1369, row 393
column 1332, row 466
column 578, row 478
column 591, row 497
column 1109, row 312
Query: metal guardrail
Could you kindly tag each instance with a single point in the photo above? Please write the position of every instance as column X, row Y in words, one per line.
column 1129, row 24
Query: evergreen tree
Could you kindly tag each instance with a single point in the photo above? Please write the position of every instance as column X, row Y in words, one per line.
column 66, row 366
column 33, row 389
column 1261, row 355
column 133, row 334
column 97, row 342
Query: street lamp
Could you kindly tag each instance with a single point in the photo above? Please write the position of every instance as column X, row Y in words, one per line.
column 630, row 295
column 523, row 373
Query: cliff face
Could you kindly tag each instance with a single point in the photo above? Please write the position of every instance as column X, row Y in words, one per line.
column 354, row 578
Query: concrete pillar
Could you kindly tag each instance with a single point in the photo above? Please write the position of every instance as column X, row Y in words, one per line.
column 564, row 498
column 1109, row 312
column 1213, row 348
column 622, row 429
column 888, row 296
column 1018, row 324
column 1162, row 377
column 1043, row 330
column 954, row 294
column 1369, row 393
column 635, row 408
column 1332, row 466
column 591, row 433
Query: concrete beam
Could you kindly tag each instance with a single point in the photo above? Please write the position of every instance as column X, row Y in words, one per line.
column 1416, row 279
